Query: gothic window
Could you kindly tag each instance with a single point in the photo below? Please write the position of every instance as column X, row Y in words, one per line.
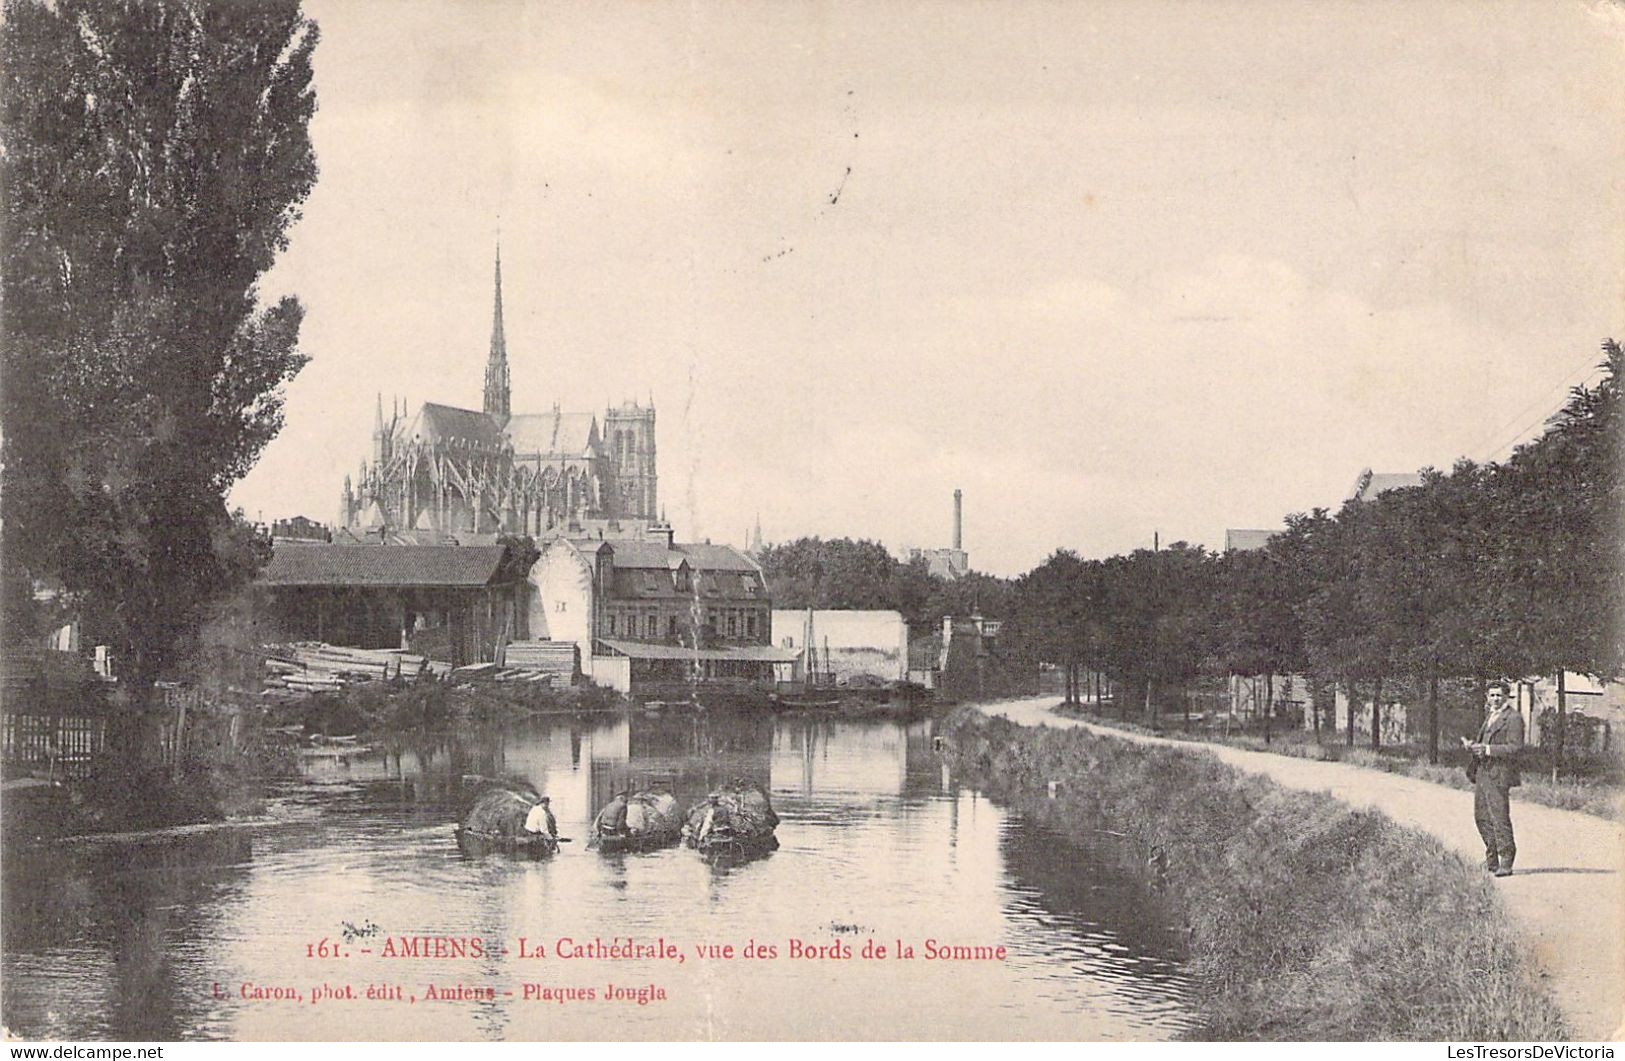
column 654, row 626
column 750, row 626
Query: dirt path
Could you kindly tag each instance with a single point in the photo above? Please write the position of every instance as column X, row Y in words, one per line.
column 1568, row 893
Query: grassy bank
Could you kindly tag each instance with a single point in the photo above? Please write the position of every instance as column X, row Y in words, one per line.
column 1307, row 920
column 1595, row 787
column 377, row 708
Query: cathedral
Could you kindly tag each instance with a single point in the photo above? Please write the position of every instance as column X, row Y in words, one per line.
column 492, row 471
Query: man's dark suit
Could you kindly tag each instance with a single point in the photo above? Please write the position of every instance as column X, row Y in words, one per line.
column 1497, row 775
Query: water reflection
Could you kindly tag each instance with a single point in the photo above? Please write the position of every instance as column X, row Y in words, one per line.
column 1089, row 907
column 878, row 845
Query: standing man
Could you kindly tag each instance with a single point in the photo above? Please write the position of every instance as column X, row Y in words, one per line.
column 1495, row 773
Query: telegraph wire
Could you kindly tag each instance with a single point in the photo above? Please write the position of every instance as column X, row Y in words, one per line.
column 1573, row 379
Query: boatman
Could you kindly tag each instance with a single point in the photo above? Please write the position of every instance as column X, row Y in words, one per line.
column 612, row 819
column 709, row 822
column 540, row 819
column 1494, row 773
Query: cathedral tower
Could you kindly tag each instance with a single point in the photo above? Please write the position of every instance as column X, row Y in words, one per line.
column 496, row 368
column 629, row 438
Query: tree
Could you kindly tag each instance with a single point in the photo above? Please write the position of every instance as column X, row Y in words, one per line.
column 846, row 573
column 1423, row 580
column 1159, row 626
column 1316, row 549
column 1257, row 612
column 1559, row 515
column 837, row 573
column 1055, row 615
column 157, row 152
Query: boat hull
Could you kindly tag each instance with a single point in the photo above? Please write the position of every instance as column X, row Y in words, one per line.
column 476, row 844
column 618, row 843
column 736, row 846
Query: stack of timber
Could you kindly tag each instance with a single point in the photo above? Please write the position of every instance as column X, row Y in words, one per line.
column 492, row 672
column 556, row 659
column 314, row 667
column 317, row 667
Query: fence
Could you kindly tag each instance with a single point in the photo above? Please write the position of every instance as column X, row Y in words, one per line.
column 63, row 744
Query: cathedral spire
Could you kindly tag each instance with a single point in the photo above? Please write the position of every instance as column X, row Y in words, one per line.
column 380, row 437
column 496, row 368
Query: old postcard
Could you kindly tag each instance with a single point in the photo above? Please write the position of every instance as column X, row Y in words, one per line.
column 812, row 521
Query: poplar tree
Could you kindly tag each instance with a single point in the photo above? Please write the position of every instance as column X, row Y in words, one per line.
column 156, row 155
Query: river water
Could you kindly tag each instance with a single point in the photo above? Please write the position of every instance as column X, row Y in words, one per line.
column 163, row 937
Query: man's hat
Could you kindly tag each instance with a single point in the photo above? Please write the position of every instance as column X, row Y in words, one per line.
column 547, row 799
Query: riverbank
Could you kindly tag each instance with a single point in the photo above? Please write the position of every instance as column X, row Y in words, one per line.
column 1307, row 920
column 234, row 747
column 1599, row 792
column 377, row 709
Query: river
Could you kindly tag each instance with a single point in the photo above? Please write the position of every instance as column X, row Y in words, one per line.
column 178, row 936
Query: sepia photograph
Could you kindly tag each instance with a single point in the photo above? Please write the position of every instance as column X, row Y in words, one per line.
column 548, row 520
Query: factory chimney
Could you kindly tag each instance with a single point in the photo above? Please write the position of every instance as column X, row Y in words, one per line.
column 959, row 519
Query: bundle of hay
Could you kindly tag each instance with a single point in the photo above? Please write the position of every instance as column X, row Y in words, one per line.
column 499, row 812
column 652, row 820
column 744, row 817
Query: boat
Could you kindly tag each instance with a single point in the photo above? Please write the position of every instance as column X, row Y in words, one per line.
column 496, row 825
column 476, row 844
column 743, row 824
column 652, row 822
column 334, row 751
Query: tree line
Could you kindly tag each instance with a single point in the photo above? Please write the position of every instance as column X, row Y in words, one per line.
column 1487, row 570
column 853, row 574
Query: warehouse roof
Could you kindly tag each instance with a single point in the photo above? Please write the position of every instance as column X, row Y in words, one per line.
column 382, row 565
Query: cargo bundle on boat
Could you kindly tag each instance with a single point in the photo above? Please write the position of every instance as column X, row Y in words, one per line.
column 737, row 818
column 496, row 825
column 641, row 821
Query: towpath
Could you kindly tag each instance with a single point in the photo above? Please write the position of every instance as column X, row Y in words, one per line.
column 1568, row 894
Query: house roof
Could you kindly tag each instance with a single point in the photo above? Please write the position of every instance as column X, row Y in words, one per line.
column 382, row 565
column 644, row 555
column 1370, row 483
column 703, row 556
column 741, row 653
column 414, row 536
column 553, row 434
column 1246, row 540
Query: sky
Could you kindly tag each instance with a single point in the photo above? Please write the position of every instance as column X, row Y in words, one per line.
column 1113, row 269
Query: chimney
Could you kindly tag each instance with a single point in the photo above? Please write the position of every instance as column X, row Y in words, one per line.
column 959, row 520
